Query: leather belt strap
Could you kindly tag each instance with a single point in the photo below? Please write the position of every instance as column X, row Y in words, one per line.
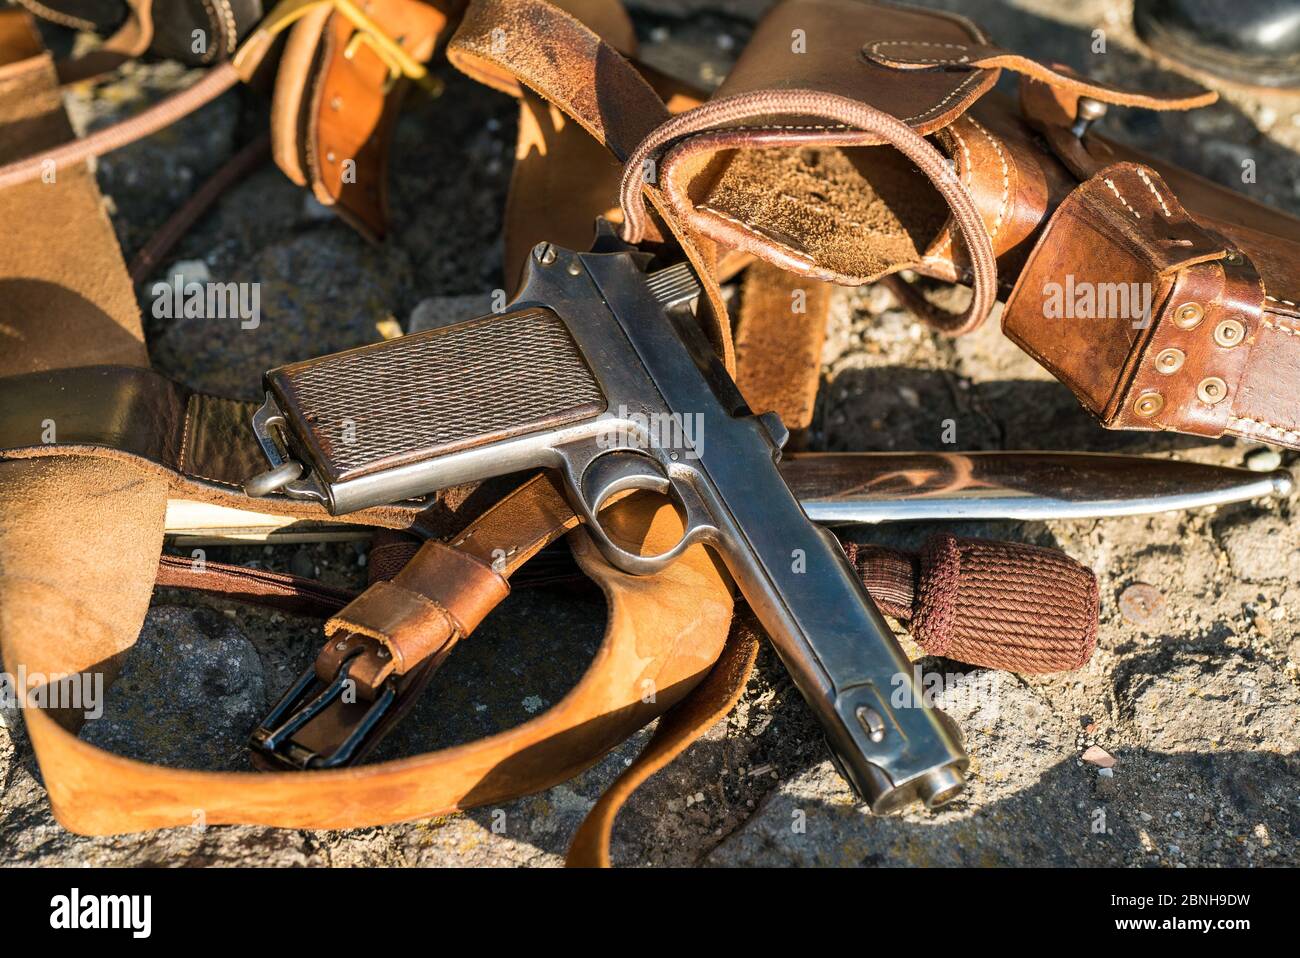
column 337, row 99
column 96, row 522
column 780, row 331
column 201, row 444
column 446, row 590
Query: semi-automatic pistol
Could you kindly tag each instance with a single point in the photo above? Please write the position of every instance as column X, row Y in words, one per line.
column 599, row 371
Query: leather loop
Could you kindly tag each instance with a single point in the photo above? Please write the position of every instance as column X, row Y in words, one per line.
column 863, row 125
column 439, row 598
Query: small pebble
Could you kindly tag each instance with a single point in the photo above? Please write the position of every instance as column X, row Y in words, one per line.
column 1096, row 755
column 301, row 564
column 1106, row 772
column 1263, row 460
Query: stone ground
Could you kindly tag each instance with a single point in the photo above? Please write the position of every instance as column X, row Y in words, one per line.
column 1198, row 701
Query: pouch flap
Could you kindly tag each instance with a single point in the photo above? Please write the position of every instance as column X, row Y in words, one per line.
column 819, row 45
column 931, row 56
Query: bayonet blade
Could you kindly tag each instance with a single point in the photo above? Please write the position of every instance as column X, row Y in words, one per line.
column 855, row 487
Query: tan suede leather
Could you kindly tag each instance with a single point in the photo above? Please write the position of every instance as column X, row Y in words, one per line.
column 665, row 631
column 779, row 338
column 56, row 309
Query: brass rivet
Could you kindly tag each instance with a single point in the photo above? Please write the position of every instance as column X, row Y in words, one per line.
column 1229, row 333
column 1148, row 404
column 1212, row 390
column 1188, row 315
column 1234, row 258
column 1169, row 361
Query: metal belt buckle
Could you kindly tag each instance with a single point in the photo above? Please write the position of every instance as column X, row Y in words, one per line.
column 306, row 699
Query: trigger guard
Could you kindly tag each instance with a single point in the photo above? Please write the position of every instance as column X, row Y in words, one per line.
column 633, row 563
column 616, row 472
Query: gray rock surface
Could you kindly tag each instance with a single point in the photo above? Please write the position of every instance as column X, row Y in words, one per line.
column 188, row 662
column 1198, row 702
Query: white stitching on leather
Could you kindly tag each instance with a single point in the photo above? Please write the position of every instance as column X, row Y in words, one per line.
column 946, row 245
column 1279, row 326
column 1285, row 302
column 57, row 16
column 1262, row 425
column 770, row 126
column 185, row 433
column 1154, row 192
column 1006, row 177
column 1114, row 189
column 939, row 106
column 755, row 232
column 961, row 141
column 875, row 48
column 228, row 20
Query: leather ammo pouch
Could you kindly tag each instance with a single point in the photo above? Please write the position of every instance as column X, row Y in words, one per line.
column 1154, row 320
column 818, row 154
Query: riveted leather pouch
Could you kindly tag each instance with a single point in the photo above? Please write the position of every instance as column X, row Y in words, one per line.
column 1155, row 319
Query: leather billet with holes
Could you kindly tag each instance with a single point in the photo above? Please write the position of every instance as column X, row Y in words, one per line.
column 853, row 140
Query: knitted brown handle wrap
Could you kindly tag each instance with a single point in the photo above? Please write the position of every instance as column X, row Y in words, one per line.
column 996, row 604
